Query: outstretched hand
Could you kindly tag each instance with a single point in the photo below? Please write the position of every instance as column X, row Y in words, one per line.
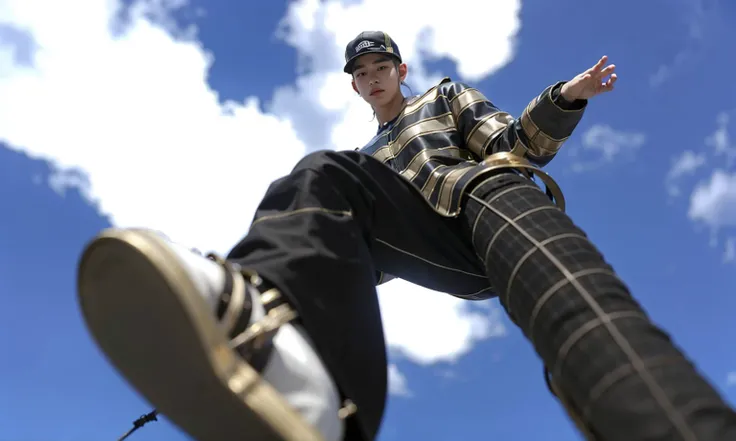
column 590, row 82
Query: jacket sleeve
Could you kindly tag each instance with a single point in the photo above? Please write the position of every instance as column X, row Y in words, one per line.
column 538, row 134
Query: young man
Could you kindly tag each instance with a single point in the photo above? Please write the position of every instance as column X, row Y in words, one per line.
column 282, row 340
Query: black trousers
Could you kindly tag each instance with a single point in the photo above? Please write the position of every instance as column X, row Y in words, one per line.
column 322, row 233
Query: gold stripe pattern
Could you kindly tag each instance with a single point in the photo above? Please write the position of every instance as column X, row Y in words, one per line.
column 420, row 159
column 420, row 102
column 448, row 186
column 486, row 130
column 462, row 100
column 428, row 187
column 507, row 160
column 451, row 181
column 519, row 148
column 540, row 143
column 437, row 124
column 415, row 105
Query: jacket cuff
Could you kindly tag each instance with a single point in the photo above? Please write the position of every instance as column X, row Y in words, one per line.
column 546, row 124
column 561, row 102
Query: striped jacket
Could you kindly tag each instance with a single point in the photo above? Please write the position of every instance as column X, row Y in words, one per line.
column 452, row 135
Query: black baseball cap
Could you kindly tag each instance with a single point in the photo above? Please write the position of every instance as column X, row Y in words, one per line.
column 367, row 42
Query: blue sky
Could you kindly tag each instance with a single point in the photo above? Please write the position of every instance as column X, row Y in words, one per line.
column 135, row 127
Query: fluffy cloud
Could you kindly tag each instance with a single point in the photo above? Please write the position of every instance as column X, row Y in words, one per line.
column 731, row 379
column 319, row 30
column 602, row 144
column 713, row 202
column 420, row 337
column 700, row 18
column 720, row 141
column 686, row 164
column 397, row 382
column 123, row 111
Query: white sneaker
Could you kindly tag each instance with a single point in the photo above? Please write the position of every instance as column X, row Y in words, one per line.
column 151, row 306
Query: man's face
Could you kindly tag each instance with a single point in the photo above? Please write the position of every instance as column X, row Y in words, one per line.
column 376, row 78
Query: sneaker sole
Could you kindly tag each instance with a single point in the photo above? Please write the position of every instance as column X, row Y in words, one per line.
column 148, row 318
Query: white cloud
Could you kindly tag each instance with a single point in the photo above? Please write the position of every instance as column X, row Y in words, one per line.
column 397, row 382
column 701, row 20
column 320, row 30
column 665, row 71
column 685, row 164
column 443, row 328
column 602, row 144
column 133, row 110
column 713, row 202
column 731, row 379
column 720, row 140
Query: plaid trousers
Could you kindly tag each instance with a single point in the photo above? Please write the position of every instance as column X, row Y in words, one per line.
column 326, row 233
column 618, row 374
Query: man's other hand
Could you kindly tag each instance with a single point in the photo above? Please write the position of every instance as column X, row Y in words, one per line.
column 590, row 82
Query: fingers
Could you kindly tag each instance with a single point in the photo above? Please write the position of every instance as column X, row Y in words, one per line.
column 611, row 81
column 607, row 71
column 598, row 71
column 593, row 81
column 600, row 63
column 608, row 85
column 598, row 66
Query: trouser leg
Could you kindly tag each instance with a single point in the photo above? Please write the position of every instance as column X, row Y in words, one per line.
column 619, row 372
column 320, row 236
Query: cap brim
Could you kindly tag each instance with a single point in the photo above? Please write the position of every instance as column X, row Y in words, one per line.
column 348, row 69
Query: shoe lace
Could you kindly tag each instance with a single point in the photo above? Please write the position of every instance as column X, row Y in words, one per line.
column 140, row 422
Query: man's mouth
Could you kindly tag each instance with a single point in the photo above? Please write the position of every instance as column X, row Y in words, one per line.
column 376, row 92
